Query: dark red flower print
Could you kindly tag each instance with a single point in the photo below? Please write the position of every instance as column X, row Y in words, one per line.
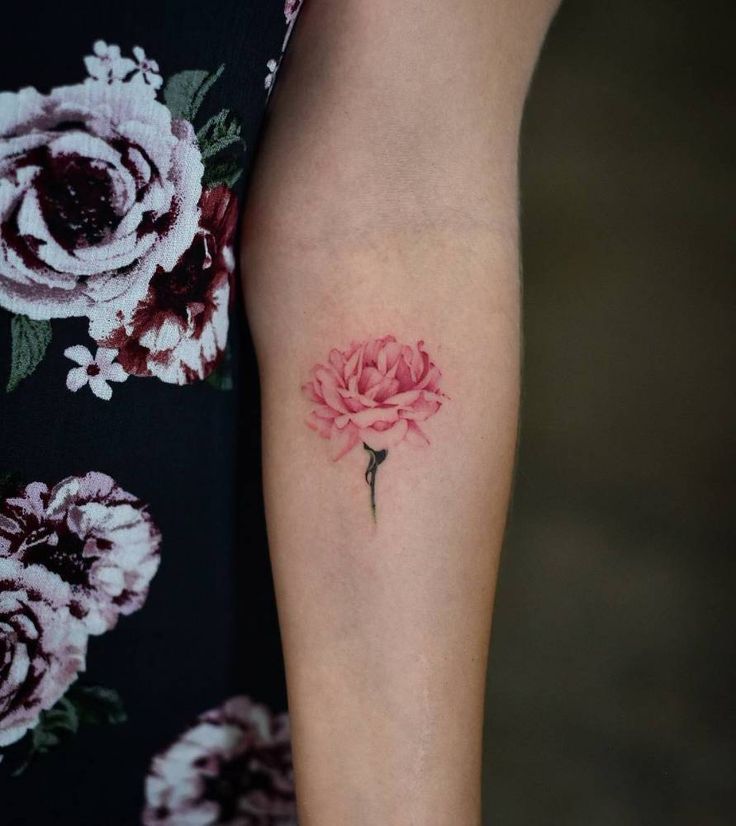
column 98, row 188
column 232, row 768
column 178, row 330
column 95, row 536
column 42, row 645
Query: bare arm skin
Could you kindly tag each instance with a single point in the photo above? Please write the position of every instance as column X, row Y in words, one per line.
column 385, row 208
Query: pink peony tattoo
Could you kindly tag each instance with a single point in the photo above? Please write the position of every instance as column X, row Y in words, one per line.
column 375, row 392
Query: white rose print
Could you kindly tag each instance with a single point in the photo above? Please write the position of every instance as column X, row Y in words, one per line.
column 113, row 208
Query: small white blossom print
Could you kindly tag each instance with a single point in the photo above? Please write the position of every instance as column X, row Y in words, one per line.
column 96, row 371
column 106, row 63
column 147, row 69
column 291, row 12
column 272, row 67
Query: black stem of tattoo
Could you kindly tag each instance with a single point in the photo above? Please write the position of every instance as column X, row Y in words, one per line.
column 376, row 457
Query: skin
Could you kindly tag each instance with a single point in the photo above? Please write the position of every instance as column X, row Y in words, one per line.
column 385, row 202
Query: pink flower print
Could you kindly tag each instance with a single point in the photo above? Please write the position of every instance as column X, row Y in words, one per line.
column 42, row 645
column 98, row 538
column 96, row 370
column 233, row 768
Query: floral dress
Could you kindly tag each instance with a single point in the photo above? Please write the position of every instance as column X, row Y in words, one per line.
column 140, row 669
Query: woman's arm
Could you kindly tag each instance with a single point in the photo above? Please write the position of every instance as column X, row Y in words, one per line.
column 385, row 207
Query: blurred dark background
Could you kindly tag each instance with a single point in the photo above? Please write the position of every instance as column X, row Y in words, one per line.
column 612, row 693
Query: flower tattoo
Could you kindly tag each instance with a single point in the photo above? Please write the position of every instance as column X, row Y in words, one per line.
column 376, row 392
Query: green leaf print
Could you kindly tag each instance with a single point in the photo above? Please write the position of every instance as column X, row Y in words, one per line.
column 29, row 340
column 185, row 91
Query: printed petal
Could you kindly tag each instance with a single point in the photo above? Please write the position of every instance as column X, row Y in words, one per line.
column 100, row 388
column 114, row 372
column 105, row 356
column 77, row 377
column 80, row 354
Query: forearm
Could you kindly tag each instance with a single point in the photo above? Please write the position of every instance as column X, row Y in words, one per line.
column 385, row 623
column 385, row 615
